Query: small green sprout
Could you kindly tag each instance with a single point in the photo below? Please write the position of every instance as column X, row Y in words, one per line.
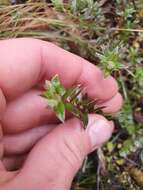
column 72, row 99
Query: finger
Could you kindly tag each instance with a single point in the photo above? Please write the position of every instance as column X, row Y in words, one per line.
column 31, row 61
column 2, row 104
column 27, row 111
column 113, row 105
column 1, row 142
column 21, row 143
column 31, row 110
column 6, row 177
column 13, row 163
column 64, row 160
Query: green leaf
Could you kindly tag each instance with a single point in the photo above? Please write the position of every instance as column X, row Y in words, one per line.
column 75, row 111
column 110, row 146
column 52, row 103
column 55, row 80
column 84, row 118
column 71, row 108
column 47, row 84
column 76, row 94
column 68, row 93
column 48, row 94
column 59, row 89
column 50, row 90
column 60, row 111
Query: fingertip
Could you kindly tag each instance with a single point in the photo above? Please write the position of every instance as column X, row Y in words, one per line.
column 101, row 88
column 113, row 105
column 99, row 130
column 111, row 87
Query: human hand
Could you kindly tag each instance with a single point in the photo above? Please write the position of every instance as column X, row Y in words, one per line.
column 53, row 152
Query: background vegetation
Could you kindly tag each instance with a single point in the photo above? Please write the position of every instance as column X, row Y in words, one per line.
column 109, row 33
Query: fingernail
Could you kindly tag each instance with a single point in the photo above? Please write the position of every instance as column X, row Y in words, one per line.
column 99, row 131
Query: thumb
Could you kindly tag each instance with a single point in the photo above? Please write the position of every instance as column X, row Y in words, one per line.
column 54, row 161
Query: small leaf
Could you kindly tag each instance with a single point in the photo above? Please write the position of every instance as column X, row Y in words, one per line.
column 84, row 118
column 47, row 84
column 76, row 94
column 71, row 108
column 50, row 90
column 76, row 112
column 47, row 94
column 52, row 103
column 110, row 146
column 120, row 162
column 60, row 111
column 55, row 81
column 59, row 89
column 68, row 93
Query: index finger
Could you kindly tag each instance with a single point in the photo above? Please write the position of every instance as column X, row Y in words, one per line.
column 25, row 62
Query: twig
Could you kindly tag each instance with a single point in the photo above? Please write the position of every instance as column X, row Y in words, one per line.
column 123, row 88
column 126, row 29
column 131, row 161
column 84, row 164
column 98, row 176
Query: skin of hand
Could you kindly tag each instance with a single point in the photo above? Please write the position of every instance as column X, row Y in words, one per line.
column 37, row 152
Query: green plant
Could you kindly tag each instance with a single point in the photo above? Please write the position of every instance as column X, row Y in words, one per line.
column 132, row 144
column 111, row 59
column 72, row 100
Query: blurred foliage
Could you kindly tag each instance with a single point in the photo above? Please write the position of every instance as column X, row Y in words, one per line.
column 108, row 33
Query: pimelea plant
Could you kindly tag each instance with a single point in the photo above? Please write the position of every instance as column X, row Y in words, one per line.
column 74, row 100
